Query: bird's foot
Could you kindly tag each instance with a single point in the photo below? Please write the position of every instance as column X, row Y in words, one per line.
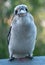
column 11, row 59
column 29, row 57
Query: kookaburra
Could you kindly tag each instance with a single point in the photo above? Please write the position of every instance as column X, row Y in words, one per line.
column 22, row 34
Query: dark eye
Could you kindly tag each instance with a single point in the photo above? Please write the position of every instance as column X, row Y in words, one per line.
column 26, row 9
column 16, row 12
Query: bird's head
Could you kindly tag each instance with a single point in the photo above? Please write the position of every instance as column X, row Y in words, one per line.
column 20, row 10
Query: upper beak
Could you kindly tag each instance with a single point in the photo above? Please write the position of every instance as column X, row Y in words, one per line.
column 22, row 12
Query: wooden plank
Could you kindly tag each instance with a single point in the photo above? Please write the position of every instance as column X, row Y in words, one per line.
column 37, row 60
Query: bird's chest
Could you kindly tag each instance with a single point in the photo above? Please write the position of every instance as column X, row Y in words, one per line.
column 20, row 31
column 21, row 27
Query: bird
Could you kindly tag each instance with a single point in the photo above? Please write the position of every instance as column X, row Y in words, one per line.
column 22, row 34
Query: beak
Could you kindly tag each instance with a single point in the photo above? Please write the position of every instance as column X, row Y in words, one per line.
column 22, row 13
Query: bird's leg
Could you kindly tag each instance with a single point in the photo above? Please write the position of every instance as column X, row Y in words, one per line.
column 11, row 57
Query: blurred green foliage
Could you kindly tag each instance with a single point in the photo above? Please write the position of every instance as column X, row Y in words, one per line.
column 37, row 9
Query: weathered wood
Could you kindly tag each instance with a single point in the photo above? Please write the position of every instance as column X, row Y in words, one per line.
column 37, row 60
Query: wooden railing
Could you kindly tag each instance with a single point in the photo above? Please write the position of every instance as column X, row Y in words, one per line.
column 37, row 60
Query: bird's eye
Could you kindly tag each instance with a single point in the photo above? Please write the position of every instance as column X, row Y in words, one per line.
column 26, row 9
column 16, row 12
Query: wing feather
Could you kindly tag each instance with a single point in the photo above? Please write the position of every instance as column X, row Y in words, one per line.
column 9, row 34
